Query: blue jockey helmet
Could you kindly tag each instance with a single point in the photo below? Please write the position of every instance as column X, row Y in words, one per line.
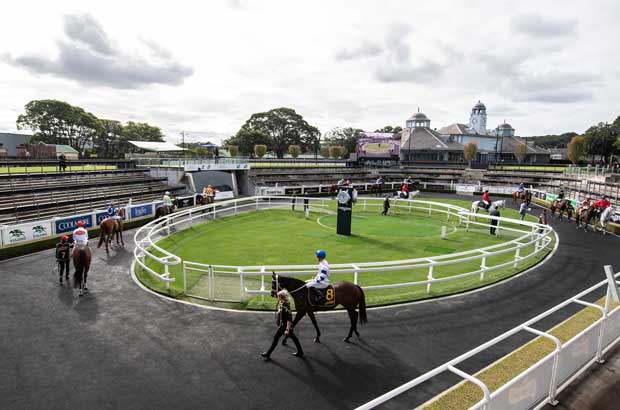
column 321, row 254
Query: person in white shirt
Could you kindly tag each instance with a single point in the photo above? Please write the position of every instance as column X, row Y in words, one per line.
column 321, row 280
column 80, row 236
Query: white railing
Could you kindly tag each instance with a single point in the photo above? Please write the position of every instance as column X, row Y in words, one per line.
column 529, row 236
column 542, row 381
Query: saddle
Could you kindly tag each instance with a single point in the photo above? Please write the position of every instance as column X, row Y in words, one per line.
column 325, row 297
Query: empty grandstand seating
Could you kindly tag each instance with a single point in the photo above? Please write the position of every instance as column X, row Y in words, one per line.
column 28, row 197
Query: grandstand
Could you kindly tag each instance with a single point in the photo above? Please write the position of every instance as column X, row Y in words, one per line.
column 27, row 197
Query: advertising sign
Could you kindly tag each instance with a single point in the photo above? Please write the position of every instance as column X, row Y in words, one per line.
column 26, row 232
column 271, row 191
column 141, row 211
column 63, row 225
column 184, row 202
column 100, row 216
column 345, row 206
column 224, row 195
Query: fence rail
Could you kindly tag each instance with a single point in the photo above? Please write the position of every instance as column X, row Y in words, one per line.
column 528, row 236
column 541, row 382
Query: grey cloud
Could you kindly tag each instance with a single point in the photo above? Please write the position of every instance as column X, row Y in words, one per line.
column 362, row 51
column 88, row 57
column 536, row 25
column 85, row 29
column 555, row 87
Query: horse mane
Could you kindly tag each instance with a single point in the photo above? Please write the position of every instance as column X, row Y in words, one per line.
column 294, row 284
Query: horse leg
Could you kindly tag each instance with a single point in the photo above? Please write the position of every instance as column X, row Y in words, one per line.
column 317, row 339
column 353, row 319
column 298, row 316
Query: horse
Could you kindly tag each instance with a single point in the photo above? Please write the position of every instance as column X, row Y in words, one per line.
column 563, row 205
column 605, row 217
column 348, row 294
column 109, row 227
column 204, row 200
column 163, row 210
column 81, row 262
column 584, row 216
column 376, row 189
column 497, row 204
column 523, row 196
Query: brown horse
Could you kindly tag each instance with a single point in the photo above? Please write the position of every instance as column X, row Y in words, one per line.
column 163, row 210
column 204, row 200
column 348, row 294
column 522, row 196
column 81, row 262
column 584, row 216
column 563, row 205
column 109, row 227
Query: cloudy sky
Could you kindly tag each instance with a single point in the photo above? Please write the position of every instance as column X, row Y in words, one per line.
column 545, row 67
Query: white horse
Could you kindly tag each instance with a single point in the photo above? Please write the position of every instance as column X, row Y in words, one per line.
column 604, row 217
column 476, row 205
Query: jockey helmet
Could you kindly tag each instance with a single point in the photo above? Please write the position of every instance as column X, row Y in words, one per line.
column 80, row 224
column 604, row 196
column 167, row 193
column 321, row 254
column 486, row 191
column 65, row 238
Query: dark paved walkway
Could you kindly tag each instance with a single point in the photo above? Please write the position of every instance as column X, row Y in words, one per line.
column 122, row 348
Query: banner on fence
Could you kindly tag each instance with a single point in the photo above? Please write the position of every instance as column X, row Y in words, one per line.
column 26, row 232
column 224, row 195
column 141, row 211
column 63, row 225
column 467, row 189
column 184, row 202
column 269, row 191
column 100, row 216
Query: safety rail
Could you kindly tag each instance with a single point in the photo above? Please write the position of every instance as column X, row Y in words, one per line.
column 542, row 381
column 528, row 234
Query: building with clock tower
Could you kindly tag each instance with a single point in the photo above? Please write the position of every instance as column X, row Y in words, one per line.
column 478, row 119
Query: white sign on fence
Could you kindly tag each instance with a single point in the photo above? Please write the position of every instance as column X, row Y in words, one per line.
column 269, row 190
column 26, row 232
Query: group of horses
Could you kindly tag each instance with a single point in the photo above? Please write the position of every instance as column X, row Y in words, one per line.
column 583, row 215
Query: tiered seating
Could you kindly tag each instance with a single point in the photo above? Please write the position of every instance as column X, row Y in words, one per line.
column 31, row 197
column 308, row 176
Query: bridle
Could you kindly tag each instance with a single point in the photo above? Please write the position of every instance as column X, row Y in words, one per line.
column 278, row 288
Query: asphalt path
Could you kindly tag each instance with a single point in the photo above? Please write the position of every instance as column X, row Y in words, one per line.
column 120, row 347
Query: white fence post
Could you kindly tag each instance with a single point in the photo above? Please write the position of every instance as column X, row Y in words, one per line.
column 211, row 281
column 430, row 277
column 483, row 267
column 517, row 257
column 262, row 284
column 355, row 273
column 184, row 279
column 167, row 275
column 240, row 271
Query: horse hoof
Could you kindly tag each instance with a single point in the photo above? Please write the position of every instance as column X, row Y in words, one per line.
column 317, row 340
column 346, row 340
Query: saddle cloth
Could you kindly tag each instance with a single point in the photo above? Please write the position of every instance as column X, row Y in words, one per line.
column 325, row 297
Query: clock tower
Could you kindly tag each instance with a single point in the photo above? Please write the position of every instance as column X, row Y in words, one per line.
column 478, row 119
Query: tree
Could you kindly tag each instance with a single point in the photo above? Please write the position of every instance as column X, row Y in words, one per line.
column 294, row 150
column 346, row 137
column 245, row 140
column 469, row 152
column 283, row 127
column 520, row 152
column 58, row 122
column 389, row 128
column 109, row 139
column 233, row 150
column 600, row 139
column 260, row 150
column 576, row 149
column 336, row 151
column 553, row 141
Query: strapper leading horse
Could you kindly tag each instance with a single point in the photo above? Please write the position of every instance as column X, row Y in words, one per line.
column 349, row 295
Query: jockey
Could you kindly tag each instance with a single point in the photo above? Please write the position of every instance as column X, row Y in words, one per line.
column 561, row 194
column 321, row 280
column 405, row 191
column 521, row 188
column 112, row 212
column 168, row 200
column 603, row 203
column 486, row 200
column 80, row 236
column 380, row 181
column 340, row 182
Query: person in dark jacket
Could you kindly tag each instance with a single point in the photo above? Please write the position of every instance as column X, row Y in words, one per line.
column 63, row 253
column 285, row 326
column 386, row 205
column 494, row 212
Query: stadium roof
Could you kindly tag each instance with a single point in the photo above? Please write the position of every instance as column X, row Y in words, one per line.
column 156, row 146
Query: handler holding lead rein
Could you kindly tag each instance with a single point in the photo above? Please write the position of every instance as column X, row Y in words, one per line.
column 321, row 280
column 285, row 326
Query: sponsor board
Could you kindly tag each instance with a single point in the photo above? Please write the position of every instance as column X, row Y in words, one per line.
column 268, row 191
column 184, row 202
column 63, row 225
column 26, row 232
column 100, row 216
column 224, row 195
column 215, row 167
column 141, row 211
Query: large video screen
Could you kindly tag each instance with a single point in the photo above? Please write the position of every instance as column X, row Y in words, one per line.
column 377, row 145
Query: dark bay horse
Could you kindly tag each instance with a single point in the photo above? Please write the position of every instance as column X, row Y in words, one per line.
column 523, row 196
column 109, row 227
column 163, row 210
column 348, row 294
column 563, row 205
column 81, row 262
column 584, row 216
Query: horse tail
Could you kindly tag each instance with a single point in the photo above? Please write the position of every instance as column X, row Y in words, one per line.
column 362, row 306
column 102, row 228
